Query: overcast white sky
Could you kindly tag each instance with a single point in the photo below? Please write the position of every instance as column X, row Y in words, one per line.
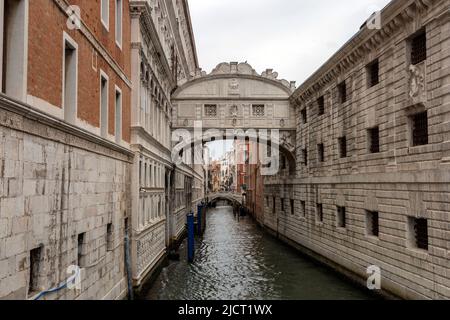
column 293, row 37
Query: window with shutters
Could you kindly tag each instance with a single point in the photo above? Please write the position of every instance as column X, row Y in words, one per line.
column 419, row 48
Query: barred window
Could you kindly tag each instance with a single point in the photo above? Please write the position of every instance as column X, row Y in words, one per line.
column 211, row 110
column 305, row 157
column 341, row 217
column 343, row 147
column 321, row 106
column 258, row 110
column 372, row 223
column 319, row 212
column 342, row 88
column 304, row 116
column 419, row 123
column 303, row 206
column 419, row 48
column 321, row 152
column 282, row 204
column 419, row 230
column 292, row 207
column 373, row 72
column 374, row 140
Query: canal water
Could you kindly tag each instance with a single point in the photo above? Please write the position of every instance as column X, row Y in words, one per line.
column 236, row 260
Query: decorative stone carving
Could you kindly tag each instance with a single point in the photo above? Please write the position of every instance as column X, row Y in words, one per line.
column 233, row 87
column 417, row 82
column 282, row 123
column 286, row 141
column 234, row 111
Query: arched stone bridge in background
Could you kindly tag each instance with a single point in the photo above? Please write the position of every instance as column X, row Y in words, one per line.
column 235, row 198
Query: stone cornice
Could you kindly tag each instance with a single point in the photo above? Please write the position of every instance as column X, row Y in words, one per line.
column 393, row 17
column 33, row 114
column 142, row 9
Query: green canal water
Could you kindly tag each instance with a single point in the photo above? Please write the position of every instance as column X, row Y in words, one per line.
column 236, row 260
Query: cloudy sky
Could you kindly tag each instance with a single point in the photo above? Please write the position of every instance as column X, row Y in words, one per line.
column 293, row 37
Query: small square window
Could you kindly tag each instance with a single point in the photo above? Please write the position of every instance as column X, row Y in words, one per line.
column 258, row 110
column 321, row 106
column 341, row 217
column 211, row 110
column 373, row 73
column 343, row 147
column 342, row 89
column 372, row 224
column 419, row 123
column 321, row 152
column 319, row 212
column 419, row 48
column 304, row 116
column 374, row 139
column 418, row 233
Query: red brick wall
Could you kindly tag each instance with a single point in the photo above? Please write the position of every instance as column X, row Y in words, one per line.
column 45, row 54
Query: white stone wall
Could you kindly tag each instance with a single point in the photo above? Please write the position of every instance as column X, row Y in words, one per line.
column 400, row 182
column 53, row 187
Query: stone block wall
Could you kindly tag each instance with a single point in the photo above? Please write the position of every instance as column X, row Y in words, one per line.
column 65, row 197
column 402, row 182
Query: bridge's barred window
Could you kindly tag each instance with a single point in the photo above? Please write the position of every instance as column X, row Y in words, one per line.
column 321, row 152
column 373, row 73
column 282, row 204
column 303, row 208
column 321, row 105
column 419, row 48
column 372, row 223
column 374, row 139
column 341, row 217
column 292, row 207
column 211, row 110
column 304, row 116
column 259, row 110
column 419, row 233
column 35, row 270
column 342, row 89
column 342, row 142
column 419, row 128
column 319, row 212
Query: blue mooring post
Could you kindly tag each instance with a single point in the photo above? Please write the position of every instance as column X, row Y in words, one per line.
column 191, row 239
column 199, row 219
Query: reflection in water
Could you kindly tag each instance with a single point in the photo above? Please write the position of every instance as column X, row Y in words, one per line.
column 238, row 261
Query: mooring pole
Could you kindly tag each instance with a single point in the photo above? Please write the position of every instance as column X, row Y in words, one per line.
column 191, row 237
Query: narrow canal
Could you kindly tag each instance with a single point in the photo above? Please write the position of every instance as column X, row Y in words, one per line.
column 236, row 260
